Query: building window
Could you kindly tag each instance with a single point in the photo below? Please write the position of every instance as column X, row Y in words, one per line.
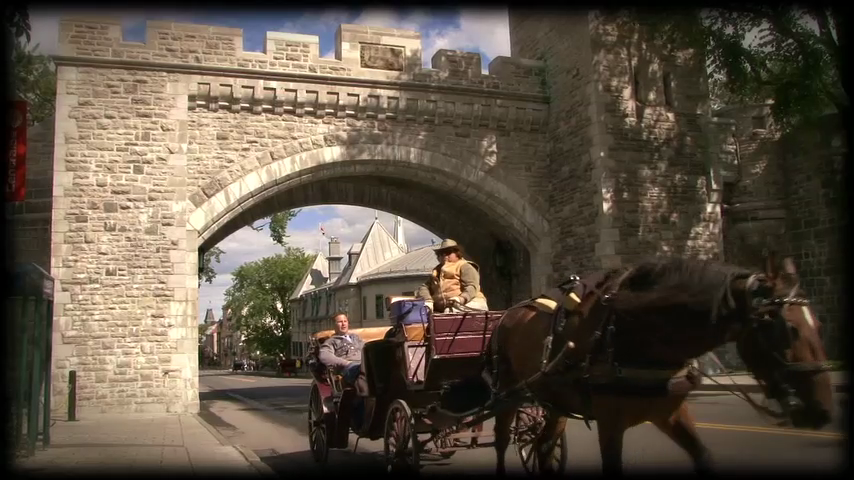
column 759, row 122
column 668, row 89
column 364, row 308
column 379, row 305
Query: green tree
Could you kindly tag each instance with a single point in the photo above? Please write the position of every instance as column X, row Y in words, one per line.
column 278, row 223
column 35, row 82
column 33, row 74
column 796, row 56
column 16, row 19
column 258, row 299
column 207, row 272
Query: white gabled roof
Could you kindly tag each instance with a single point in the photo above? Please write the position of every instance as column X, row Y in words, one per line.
column 417, row 263
column 377, row 247
column 316, row 275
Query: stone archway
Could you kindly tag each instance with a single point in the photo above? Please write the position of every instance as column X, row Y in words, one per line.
column 489, row 213
column 168, row 145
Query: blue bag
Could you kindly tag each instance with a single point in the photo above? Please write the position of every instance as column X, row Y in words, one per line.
column 408, row 312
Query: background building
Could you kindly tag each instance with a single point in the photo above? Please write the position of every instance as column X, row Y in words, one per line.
column 378, row 267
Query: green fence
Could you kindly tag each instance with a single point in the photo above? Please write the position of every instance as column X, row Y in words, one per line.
column 30, row 309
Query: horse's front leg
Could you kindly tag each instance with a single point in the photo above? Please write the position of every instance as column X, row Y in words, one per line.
column 503, row 421
column 611, row 445
column 681, row 429
column 547, row 441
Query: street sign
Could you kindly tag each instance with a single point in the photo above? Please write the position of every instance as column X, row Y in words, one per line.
column 17, row 159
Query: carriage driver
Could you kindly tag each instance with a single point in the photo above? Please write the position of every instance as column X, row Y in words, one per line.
column 455, row 282
column 343, row 349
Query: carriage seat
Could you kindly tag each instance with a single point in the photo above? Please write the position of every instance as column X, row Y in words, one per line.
column 368, row 334
column 414, row 333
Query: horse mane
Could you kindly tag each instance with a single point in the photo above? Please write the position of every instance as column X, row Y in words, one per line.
column 677, row 283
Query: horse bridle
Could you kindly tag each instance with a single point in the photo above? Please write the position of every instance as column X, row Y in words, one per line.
column 768, row 314
column 775, row 305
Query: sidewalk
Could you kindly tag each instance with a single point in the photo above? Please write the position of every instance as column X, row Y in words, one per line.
column 154, row 444
column 839, row 379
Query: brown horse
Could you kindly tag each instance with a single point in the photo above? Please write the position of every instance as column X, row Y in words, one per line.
column 621, row 357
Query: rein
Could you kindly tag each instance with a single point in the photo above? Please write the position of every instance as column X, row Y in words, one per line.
column 744, row 395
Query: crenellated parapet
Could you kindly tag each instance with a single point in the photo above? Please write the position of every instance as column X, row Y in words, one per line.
column 361, row 53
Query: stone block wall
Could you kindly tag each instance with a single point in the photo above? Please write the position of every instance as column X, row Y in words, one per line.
column 816, row 220
column 755, row 191
column 784, row 194
column 563, row 44
column 124, row 263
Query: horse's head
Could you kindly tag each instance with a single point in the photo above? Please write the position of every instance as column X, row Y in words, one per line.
column 782, row 346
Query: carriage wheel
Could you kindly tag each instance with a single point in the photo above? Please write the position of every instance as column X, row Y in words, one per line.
column 529, row 425
column 318, row 436
column 400, row 442
column 445, row 443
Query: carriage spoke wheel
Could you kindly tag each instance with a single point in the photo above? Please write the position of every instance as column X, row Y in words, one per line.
column 400, row 442
column 529, row 424
column 318, row 435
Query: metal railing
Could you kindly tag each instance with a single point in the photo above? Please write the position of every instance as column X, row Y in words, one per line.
column 30, row 310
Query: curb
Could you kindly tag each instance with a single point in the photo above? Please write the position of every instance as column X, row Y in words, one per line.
column 248, row 454
column 272, row 375
column 753, row 388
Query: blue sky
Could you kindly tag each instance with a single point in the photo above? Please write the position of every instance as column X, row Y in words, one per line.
column 482, row 31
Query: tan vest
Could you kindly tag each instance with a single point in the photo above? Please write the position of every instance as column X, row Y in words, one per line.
column 446, row 281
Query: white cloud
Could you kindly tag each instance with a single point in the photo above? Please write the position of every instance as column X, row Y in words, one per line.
column 486, row 30
column 309, row 22
column 44, row 30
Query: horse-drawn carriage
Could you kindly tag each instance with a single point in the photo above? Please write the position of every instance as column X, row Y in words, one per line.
column 617, row 352
column 406, row 372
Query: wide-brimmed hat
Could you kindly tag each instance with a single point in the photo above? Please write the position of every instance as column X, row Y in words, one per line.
column 447, row 244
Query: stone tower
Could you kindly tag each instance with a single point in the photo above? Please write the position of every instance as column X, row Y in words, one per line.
column 630, row 141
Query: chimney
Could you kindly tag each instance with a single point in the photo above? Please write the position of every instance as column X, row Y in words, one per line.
column 334, row 259
column 353, row 254
column 399, row 237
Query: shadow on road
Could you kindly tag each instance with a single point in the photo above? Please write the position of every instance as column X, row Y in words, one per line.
column 276, row 397
column 345, row 462
column 340, row 462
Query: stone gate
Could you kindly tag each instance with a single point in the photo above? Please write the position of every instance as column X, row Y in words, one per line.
column 588, row 147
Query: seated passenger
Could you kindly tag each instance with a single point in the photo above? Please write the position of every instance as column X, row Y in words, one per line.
column 343, row 350
column 454, row 283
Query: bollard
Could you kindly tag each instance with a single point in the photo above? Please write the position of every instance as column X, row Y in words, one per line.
column 72, row 396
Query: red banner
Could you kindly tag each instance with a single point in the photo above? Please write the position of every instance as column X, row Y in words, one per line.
column 17, row 167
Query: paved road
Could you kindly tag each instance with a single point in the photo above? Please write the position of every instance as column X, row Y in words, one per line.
column 268, row 416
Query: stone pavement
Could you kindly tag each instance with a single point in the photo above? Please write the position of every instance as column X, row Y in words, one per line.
column 155, row 444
